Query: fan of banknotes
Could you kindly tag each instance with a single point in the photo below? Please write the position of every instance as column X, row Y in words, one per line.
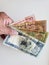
column 32, row 35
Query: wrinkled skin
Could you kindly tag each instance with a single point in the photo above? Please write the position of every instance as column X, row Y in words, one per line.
column 5, row 20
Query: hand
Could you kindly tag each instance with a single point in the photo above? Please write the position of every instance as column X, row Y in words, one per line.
column 5, row 20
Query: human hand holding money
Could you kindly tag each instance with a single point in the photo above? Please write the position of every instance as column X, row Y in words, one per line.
column 31, row 36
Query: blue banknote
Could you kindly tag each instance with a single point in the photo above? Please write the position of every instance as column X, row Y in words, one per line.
column 24, row 43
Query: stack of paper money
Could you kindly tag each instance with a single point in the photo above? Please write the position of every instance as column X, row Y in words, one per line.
column 31, row 36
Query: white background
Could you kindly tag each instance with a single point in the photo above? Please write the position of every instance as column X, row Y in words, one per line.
column 18, row 9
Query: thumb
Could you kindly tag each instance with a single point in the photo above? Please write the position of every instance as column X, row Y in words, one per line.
column 13, row 32
column 10, row 31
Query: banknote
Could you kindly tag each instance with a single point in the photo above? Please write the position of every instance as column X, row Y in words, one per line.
column 35, row 29
column 24, row 43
